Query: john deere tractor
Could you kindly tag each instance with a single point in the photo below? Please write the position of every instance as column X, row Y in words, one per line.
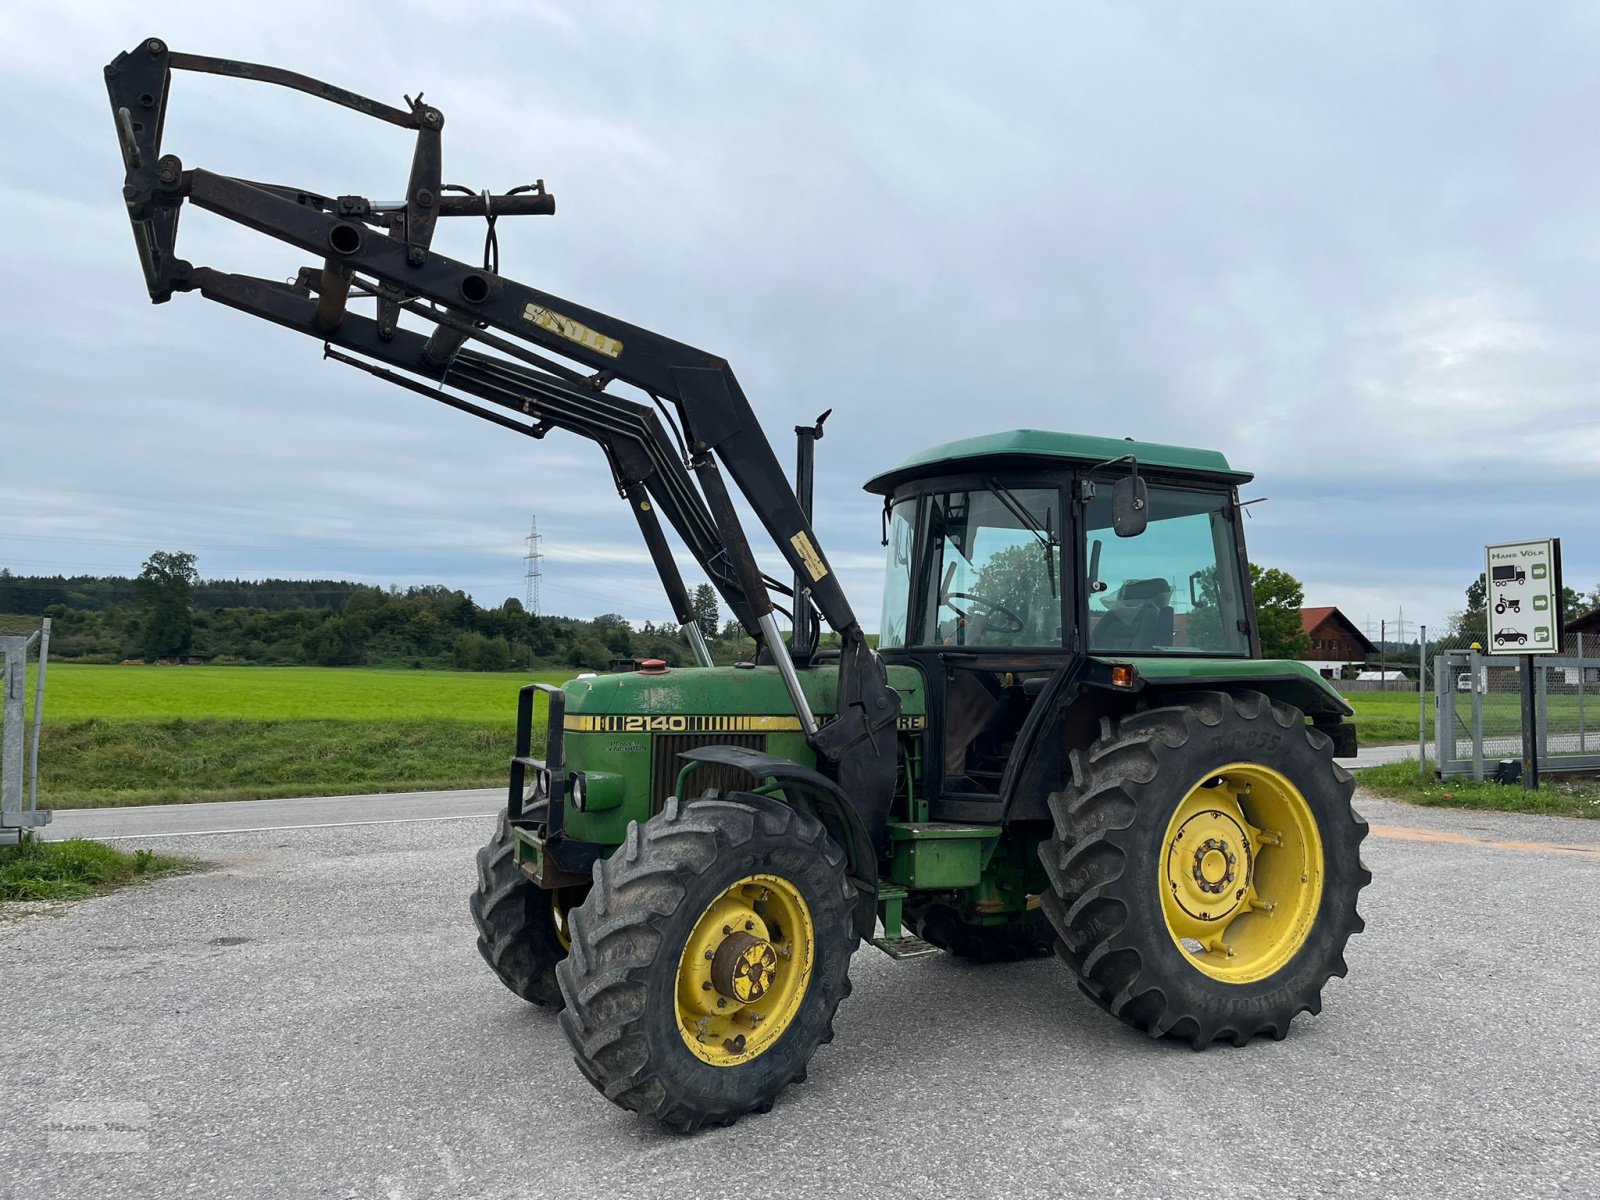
column 1065, row 739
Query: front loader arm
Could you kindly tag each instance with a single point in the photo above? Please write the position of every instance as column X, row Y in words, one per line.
column 382, row 251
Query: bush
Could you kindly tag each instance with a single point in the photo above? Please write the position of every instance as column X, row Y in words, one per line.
column 475, row 652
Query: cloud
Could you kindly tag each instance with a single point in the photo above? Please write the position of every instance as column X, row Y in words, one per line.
column 1354, row 247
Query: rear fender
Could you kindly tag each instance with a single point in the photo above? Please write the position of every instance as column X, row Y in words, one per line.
column 1074, row 723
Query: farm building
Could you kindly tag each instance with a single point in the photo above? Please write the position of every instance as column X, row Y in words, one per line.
column 1589, row 623
column 1336, row 643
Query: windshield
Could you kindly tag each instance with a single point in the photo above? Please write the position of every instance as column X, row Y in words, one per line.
column 991, row 568
column 1174, row 589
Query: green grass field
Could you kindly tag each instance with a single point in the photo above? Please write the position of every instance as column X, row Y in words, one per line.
column 75, row 692
column 1383, row 718
column 156, row 735
column 160, row 735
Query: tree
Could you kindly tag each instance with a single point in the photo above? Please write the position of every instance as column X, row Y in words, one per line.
column 338, row 642
column 620, row 642
column 1022, row 578
column 1577, row 604
column 165, row 587
column 1205, row 627
column 476, row 652
column 1279, row 596
column 732, row 631
column 1472, row 623
column 705, row 609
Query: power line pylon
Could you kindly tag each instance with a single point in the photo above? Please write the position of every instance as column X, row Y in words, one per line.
column 534, row 557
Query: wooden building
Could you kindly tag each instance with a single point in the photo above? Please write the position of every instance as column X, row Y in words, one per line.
column 1334, row 641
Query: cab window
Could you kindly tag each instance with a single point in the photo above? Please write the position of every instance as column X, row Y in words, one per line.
column 896, row 610
column 1173, row 589
column 991, row 570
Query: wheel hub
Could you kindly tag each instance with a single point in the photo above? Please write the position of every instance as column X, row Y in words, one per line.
column 743, row 967
column 1209, row 861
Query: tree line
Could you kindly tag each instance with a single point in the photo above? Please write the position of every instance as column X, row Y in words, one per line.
column 33, row 595
column 168, row 613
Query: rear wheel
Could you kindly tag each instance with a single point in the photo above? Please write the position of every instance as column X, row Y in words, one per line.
column 957, row 930
column 522, row 928
column 709, row 959
column 1205, row 868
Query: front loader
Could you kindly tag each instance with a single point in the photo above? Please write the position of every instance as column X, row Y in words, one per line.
column 1064, row 740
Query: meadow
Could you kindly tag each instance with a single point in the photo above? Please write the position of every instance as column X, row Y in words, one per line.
column 1383, row 718
column 159, row 735
column 155, row 735
column 108, row 693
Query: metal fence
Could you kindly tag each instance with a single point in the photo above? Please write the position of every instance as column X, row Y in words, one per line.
column 1478, row 709
column 19, row 753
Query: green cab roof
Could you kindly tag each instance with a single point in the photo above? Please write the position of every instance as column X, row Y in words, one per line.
column 1019, row 447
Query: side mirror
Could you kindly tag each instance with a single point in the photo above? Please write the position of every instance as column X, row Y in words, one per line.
column 1130, row 508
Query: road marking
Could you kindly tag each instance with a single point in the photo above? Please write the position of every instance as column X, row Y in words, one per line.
column 1407, row 834
column 131, row 837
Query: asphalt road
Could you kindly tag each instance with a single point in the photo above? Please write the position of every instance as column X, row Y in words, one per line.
column 330, row 812
column 308, row 1017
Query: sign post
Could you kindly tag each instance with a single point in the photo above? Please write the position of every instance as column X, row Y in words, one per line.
column 1522, row 601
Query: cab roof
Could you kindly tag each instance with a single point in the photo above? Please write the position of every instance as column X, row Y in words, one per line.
column 1024, row 447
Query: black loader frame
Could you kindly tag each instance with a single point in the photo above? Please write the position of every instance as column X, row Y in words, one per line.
column 492, row 339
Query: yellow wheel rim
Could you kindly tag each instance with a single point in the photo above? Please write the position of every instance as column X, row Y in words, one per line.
column 1241, row 873
column 559, row 914
column 744, row 970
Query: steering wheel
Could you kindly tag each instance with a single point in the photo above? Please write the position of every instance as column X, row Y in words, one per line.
column 993, row 608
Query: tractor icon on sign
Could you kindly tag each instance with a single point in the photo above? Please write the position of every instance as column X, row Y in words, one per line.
column 1507, row 604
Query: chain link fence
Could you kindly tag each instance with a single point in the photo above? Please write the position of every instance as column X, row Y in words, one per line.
column 19, row 752
column 1478, row 708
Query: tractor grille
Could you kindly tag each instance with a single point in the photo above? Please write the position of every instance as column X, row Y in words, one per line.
column 666, row 764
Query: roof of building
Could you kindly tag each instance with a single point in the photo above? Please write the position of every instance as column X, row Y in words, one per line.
column 1310, row 618
column 1588, row 623
column 1018, row 446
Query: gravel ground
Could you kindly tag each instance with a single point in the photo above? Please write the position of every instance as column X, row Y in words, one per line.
column 308, row 1017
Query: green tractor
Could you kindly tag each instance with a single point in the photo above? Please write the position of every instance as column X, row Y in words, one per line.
column 1064, row 740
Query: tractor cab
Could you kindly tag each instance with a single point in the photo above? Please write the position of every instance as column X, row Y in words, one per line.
column 1016, row 558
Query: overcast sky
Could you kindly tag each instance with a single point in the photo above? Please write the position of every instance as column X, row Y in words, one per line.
column 1352, row 246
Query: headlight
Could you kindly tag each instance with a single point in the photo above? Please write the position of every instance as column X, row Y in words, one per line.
column 577, row 792
column 544, row 781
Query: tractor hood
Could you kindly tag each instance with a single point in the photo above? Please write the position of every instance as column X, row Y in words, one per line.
column 755, row 694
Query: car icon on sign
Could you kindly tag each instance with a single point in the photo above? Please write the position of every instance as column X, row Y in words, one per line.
column 1504, row 637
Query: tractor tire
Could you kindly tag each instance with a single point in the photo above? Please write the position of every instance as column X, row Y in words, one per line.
column 520, row 925
column 1205, row 868
column 947, row 925
column 709, row 960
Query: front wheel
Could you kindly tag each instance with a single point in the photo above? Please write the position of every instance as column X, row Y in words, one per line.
column 522, row 928
column 1205, row 868
column 709, row 959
